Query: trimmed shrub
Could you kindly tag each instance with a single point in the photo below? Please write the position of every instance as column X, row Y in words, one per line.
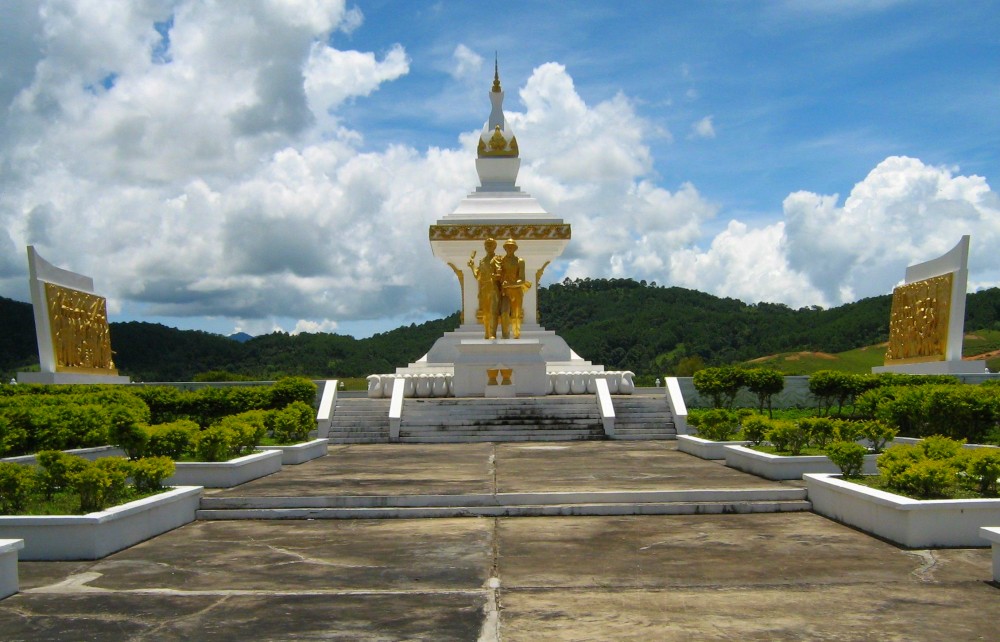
column 17, row 482
column 55, row 469
column 13, row 437
column 288, row 390
column 877, row 433
column 213, row 444
column 717, row 424
column 755, row 429
column 844, row 430
column 788, row 436
column 130, row 437
column 896, row 459
column 93, row 485
column 293, row 423
column 940, row 447
column 925, row 478
column 820, row 429
column 148, row 473
column 982, row 469
column 848, row 456
column 246, row 430
column 171, row 440
column 118, row 470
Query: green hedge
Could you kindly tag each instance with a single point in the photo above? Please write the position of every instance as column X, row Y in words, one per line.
column 95, row 485
column 35, row 417
column 958, row 411
column 208, row 405
column 65, row 419
column 927, row 469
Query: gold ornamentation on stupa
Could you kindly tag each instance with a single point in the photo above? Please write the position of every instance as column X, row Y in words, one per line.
column 498, row 147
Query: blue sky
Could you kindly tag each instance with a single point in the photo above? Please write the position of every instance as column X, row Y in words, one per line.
column 276, row 166
column 802, row 95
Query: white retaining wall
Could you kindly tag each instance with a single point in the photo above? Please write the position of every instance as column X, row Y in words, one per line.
column 8, row 566
column 96, row 535
column 225, row 474
column 782, row 467
column 295, row 454
column 936, row 523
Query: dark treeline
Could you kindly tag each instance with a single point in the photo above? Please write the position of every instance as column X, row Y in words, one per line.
column 620, row 323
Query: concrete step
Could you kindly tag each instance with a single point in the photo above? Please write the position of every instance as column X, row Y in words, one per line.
column 553, row 510
column 495, row 438
column 507, row 504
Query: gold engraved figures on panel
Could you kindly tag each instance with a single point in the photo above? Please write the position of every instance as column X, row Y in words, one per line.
column 918, row 325
column 487, row 275
column 512, row 287
column 80, row 334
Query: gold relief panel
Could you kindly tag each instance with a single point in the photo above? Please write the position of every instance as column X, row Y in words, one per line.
column 81, row 338
column 483, row 232
column 918, row 325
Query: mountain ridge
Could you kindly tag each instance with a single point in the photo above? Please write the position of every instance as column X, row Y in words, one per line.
column 620, row 323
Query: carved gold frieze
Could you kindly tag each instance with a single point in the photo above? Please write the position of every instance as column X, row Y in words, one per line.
column 918, row 325
column 80, row 335
column 483, row 232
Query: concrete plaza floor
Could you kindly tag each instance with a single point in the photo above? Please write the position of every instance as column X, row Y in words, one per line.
column 781, row 576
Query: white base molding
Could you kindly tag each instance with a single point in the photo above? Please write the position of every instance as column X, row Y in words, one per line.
column 936, row 368
column 295, row 454
column 8, row 566
column 96, row 535
column 783, row 467
column 225, row 474
column 60, row 378
column 705, row 448
column 914, row 523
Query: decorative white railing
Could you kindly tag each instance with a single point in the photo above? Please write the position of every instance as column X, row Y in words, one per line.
column 560, row 383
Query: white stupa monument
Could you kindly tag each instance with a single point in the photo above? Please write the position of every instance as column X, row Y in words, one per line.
column 525, row 358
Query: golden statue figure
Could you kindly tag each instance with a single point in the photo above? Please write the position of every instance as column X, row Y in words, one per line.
column 512, row 287
column 488, row 276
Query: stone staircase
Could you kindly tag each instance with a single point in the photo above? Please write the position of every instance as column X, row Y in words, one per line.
column 551, row 418
column 643, row 417
column 360, row 420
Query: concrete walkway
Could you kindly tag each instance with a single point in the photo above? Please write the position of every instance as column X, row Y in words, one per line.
column 782, row 576
column 441, row 469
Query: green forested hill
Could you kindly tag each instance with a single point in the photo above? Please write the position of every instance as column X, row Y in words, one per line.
column 620, row 323
column 648, row 329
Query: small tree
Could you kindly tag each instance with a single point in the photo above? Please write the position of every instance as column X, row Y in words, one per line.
column 719, row 384
column 765, row 384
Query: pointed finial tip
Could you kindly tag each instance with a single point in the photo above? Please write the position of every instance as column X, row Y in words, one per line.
column 496, row 72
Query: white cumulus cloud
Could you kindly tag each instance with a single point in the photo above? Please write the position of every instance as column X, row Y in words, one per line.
column 209, row 172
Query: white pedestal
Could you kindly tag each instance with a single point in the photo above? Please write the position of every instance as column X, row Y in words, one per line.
column 936, row 368
column 523, row 356
column 68, row 378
